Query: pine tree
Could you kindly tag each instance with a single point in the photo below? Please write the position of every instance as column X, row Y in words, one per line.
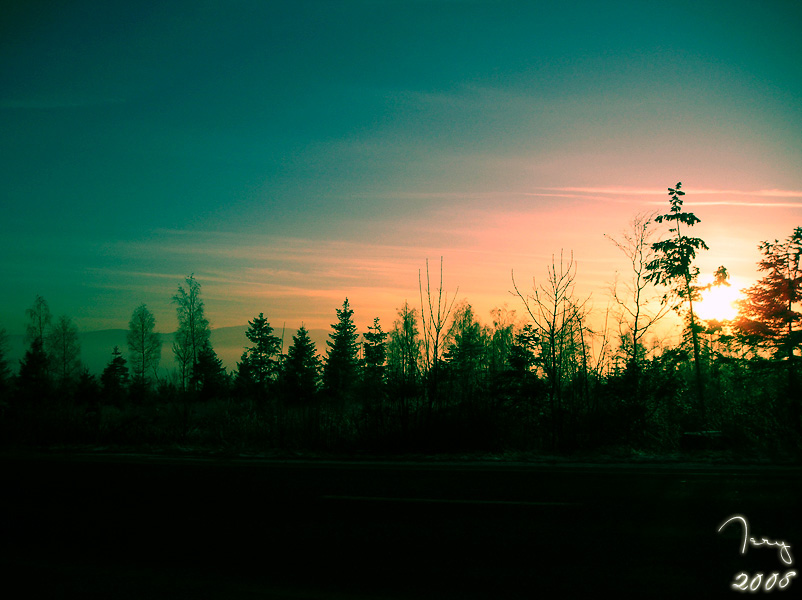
column 300, row 373
column 341, row 369
column 375, row 350
column 209, row 375
column 33, row 382
column 259, row 363
column 771, row 314
column 114, row 380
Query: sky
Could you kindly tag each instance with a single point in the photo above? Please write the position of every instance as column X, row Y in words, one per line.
column 292, row 154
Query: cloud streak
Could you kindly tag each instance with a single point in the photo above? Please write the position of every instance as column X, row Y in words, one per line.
column 626, row 191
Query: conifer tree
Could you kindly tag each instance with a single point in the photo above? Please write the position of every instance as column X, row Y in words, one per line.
column 375, row 350
column 770, row 313
column 340, row 372
column 114, row 379
column 209, row 375
column 33, row 382
column 300, row 373
column 259, row 363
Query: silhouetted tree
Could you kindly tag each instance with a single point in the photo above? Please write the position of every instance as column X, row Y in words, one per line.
column 771, row 316
column 208, row 375
column 638, row 311
column 467, row 353
column 300, row 373
column 182, row 350
column 5, row 372
column 144, row 344
column 33, row 382
column 39, row 320
column 558, row 322
column 193, row 328
column 501, row 339
column 341, row 369
column 673, row 267
column 523, row 354
column 114, row 380
column 501, row 380
column 38, row 327
column 434, row 318
column 64, row 349
column 404, row 359
column 259, row 363
column 88, row 393
column 375, row 354
column 404, row 348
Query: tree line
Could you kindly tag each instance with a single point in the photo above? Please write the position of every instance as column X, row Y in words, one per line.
column 440, row 380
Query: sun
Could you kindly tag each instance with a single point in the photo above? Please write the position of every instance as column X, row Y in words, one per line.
column 718, row 303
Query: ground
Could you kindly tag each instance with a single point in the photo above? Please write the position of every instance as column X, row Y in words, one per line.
column 134, row 526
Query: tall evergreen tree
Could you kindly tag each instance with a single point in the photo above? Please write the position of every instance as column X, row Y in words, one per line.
column 114, row 380
column 209, row 375
column 771, row 312
column 300, row 372
column 33, row 382
column 259, row 363
column 375, row 351
column 341, row 369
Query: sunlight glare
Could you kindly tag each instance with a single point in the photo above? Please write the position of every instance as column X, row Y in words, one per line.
column 718, row 303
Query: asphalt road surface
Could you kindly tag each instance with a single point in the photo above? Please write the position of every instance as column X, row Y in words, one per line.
column 144, row 527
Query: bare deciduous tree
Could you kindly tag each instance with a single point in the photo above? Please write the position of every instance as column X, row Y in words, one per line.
column 193, row 327
column 64, row 349
column 637, row 310
column 559, row 322
column 434, row 317
column 144, row 344
column 39, row 319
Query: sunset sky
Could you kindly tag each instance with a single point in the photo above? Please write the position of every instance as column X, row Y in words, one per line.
column 293, row 153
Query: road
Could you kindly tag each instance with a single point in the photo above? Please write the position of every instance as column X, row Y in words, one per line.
column 149, row 527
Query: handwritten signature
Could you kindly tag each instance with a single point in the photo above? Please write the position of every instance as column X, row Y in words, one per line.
column 742, row 580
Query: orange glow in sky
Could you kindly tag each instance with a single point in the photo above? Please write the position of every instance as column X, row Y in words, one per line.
column 291, row 154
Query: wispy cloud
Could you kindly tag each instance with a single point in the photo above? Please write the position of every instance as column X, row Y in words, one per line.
column 757, row 198
column 626, row 191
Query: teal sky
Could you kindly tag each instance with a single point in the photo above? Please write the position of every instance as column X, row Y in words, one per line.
column 294, row 153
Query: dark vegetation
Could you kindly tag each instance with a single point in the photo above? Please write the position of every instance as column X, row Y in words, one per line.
column 439, row 381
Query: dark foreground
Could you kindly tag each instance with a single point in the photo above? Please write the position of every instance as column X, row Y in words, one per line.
column 138, row 527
